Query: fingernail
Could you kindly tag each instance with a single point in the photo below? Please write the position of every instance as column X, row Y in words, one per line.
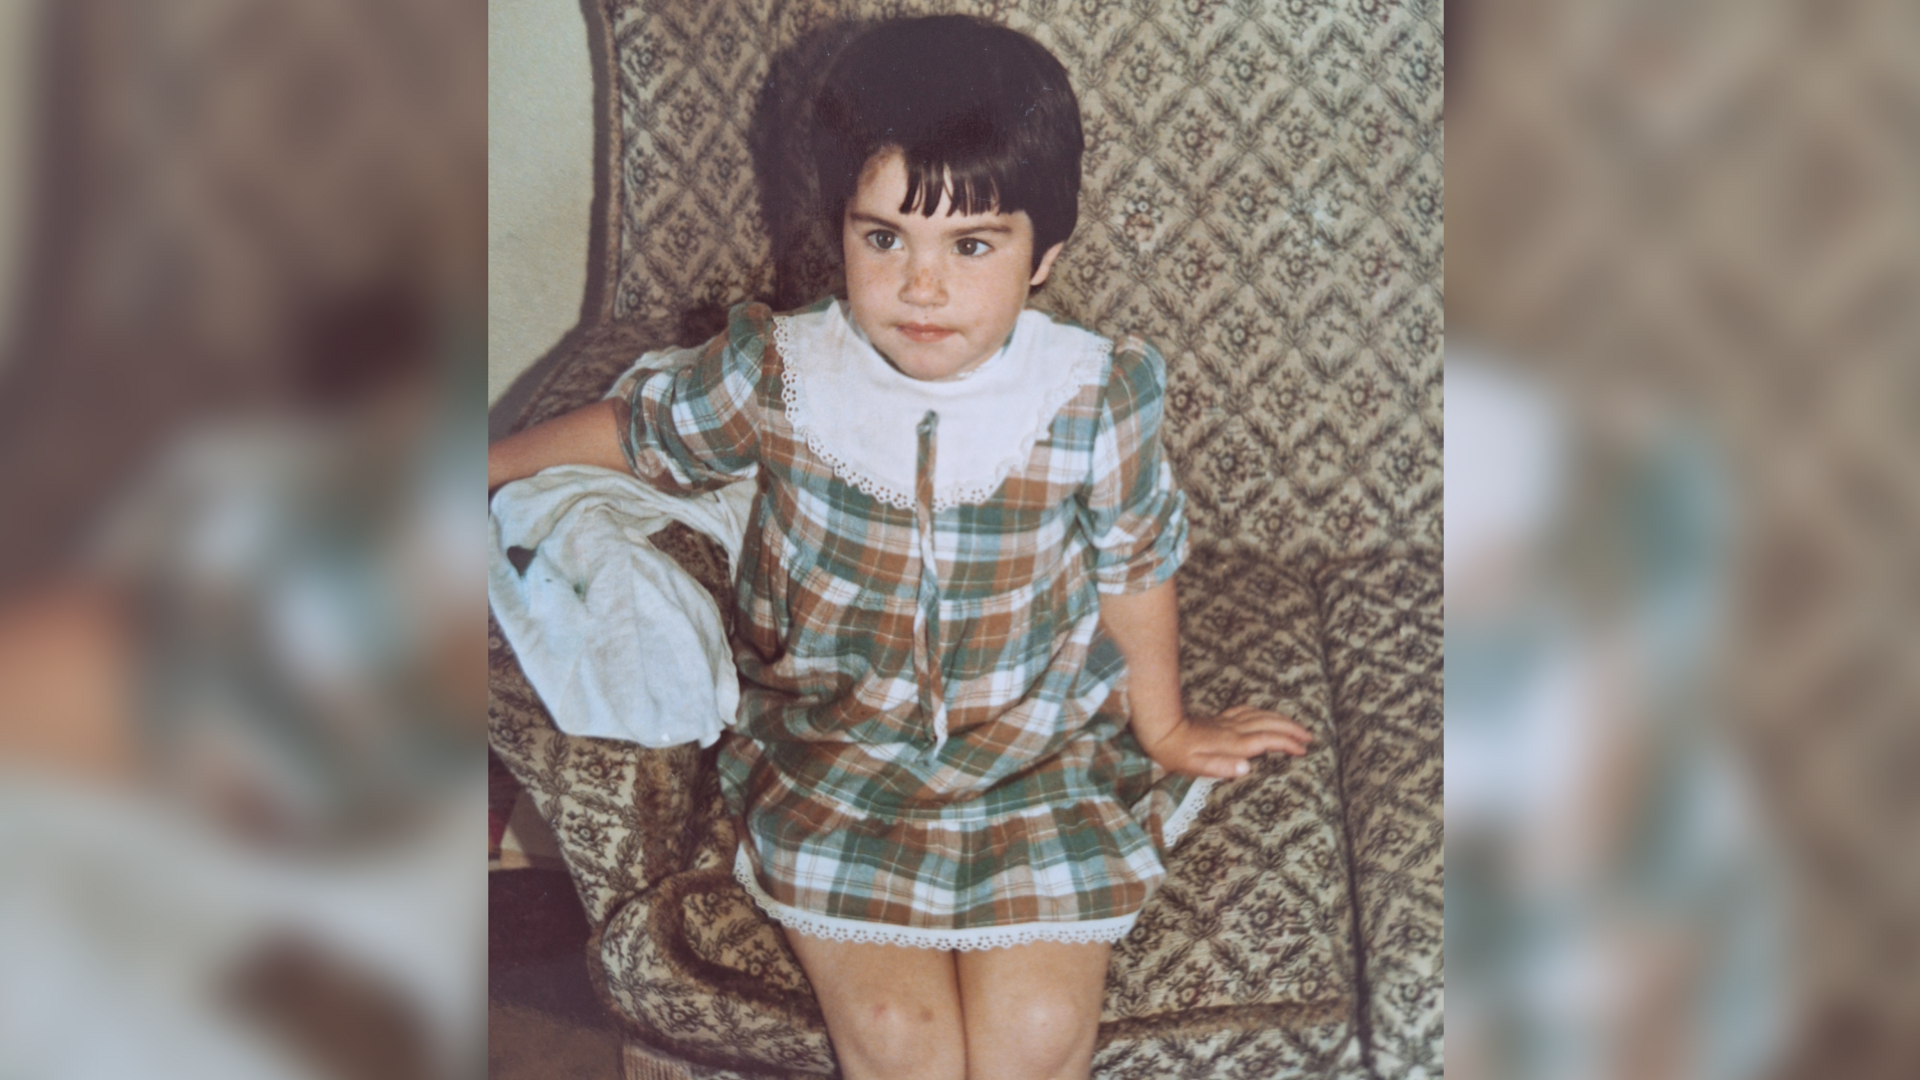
column 1240, row 769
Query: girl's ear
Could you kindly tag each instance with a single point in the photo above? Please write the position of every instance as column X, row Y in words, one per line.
column 1046, row 264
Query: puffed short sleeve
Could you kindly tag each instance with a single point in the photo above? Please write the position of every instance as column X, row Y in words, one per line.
column 696, row 427
column 1133, row 514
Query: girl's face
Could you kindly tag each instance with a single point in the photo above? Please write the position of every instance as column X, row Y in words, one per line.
column 936, row 295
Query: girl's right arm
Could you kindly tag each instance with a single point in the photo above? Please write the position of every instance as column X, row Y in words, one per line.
column 690, row 426
column 585, row 436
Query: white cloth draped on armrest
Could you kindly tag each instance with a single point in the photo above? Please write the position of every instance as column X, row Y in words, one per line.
column 617, row 639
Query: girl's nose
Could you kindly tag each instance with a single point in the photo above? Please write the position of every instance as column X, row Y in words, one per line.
column 923, row 285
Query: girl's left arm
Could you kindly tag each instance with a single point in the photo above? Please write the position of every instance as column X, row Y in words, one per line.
column 1134, row 516
column 1146, row 627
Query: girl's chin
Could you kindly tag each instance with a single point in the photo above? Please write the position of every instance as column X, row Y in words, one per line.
column 924, row 364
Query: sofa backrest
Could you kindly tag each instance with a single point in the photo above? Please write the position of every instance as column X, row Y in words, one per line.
column 1261, row 200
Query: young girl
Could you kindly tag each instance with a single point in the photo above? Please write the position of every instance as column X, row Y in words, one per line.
column 960, row 752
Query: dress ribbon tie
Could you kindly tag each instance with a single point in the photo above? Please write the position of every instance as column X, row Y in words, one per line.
column 926, row 618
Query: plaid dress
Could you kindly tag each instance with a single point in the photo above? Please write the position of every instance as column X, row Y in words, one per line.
column 932, row 747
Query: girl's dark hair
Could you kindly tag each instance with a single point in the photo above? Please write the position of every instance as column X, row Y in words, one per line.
column 979, row 111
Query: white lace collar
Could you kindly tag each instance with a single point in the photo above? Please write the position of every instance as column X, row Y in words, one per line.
column 860, row 415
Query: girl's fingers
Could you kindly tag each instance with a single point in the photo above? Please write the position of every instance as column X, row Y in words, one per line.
column 1224, row 751
column 1223, row 766
column 1247, row 742
column 1285, row 728
column 1245, row 717
column 1276, row 726
column 1224, row 762
column 1260, row 742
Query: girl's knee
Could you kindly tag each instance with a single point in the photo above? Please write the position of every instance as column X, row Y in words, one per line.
column 899, row 1038
column 1038, row 1036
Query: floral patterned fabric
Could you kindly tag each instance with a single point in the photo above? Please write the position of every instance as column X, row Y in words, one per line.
column 1263, row 202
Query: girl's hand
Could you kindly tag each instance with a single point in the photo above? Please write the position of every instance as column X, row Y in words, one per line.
column 1222, row 746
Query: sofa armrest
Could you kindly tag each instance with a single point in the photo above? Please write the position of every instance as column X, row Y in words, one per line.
column 580, row 369
column 623, row 814
column 626, row 817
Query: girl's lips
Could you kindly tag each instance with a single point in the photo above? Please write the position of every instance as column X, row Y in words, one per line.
column 917, row 332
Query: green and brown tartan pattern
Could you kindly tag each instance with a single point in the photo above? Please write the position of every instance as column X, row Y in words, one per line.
column 1039, row 806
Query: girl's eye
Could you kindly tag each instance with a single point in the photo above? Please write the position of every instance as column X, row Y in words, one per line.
column 972, row 246
column 883, row 240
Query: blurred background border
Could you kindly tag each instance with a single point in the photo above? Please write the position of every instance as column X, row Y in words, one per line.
column 1699, row 223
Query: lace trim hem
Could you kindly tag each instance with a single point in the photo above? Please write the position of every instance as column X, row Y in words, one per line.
column 1085, row 370
column 1189, row 809
column 985, row 937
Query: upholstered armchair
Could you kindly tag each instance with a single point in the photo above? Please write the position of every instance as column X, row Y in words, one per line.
column 1262, row 200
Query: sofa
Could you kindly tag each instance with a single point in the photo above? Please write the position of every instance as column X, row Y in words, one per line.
column 1262, row 200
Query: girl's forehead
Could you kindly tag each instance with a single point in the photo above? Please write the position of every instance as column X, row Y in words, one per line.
column 883, row 188
column 880, row 161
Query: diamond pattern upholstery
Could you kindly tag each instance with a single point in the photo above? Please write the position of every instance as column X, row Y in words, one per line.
column 1262, row 200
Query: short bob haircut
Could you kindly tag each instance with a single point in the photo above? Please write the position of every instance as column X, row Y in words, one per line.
column 981, row 113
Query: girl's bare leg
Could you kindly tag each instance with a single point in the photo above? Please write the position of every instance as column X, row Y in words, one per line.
column 1032, row 1010
column 892, row 1010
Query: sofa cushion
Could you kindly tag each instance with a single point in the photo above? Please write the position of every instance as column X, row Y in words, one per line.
column 1242, row 965
column 1384, row 647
